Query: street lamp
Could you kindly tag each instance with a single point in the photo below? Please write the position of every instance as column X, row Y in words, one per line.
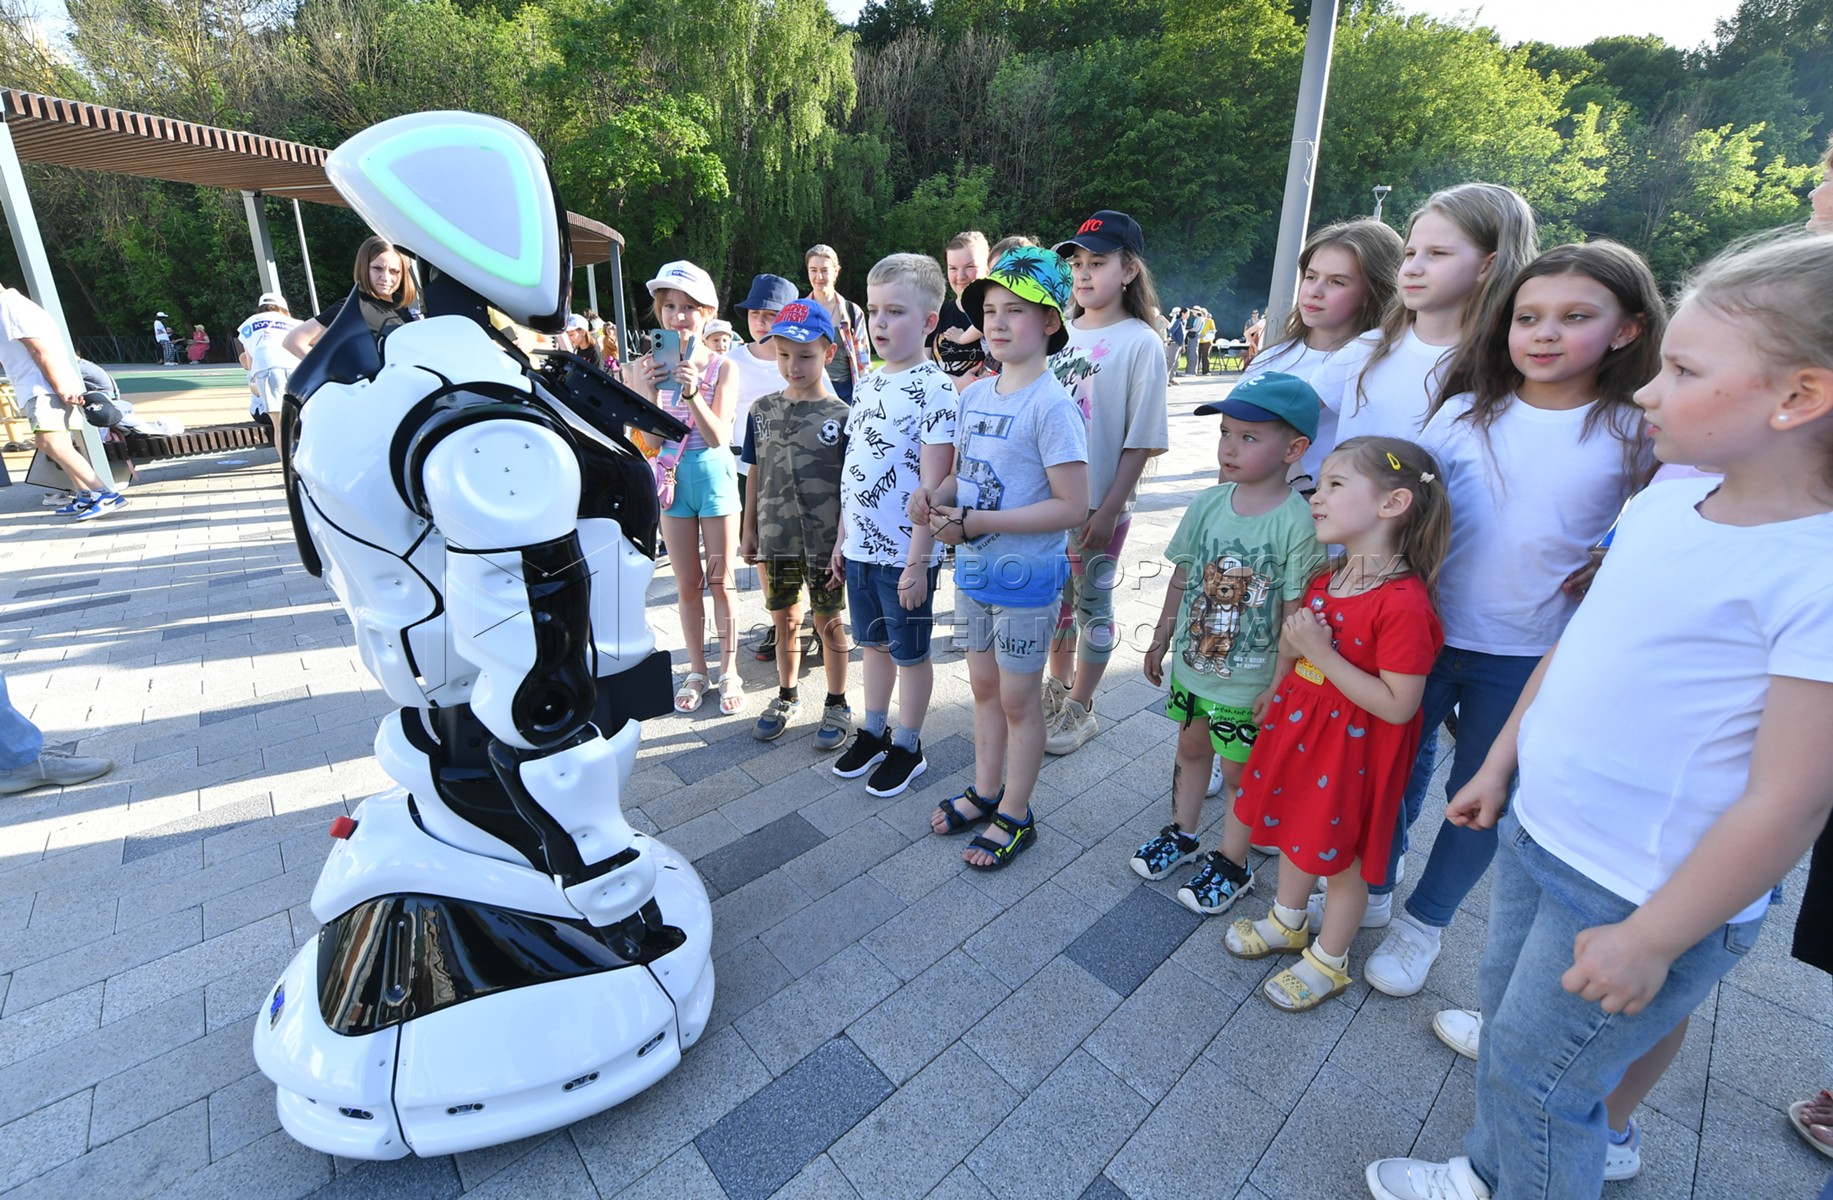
column 1381, row 191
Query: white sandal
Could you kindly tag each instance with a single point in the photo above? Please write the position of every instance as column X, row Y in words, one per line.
column 732, row 699
column 692, row 692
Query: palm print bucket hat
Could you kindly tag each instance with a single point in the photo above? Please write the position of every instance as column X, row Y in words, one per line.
column 1031, row 273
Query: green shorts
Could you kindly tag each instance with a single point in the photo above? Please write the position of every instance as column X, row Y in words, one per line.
column 1231, row 729
column 784, row 579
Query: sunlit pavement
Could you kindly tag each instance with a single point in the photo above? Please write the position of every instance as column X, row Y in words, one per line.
column 888, row 1022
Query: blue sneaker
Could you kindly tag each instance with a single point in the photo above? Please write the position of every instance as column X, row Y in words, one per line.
column 79, row 503
column 1161, row 856
column 777, row 716
column 1216, row 886
column 836, row 727
column 107, row 502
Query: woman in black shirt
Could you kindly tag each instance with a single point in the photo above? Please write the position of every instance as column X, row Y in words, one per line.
column 385, row 287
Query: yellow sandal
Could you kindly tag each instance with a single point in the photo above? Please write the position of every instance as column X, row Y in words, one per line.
column 1245, row 940
column 1288, row 992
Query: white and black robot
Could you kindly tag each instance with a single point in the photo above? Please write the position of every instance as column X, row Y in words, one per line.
column 502, row 954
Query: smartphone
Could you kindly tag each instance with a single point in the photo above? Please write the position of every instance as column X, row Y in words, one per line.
column 665, row 345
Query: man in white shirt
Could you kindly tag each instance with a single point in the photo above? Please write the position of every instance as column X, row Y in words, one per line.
column 49, row 393
column 163, row 337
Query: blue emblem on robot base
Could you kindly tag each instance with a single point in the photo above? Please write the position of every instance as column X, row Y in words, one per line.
column 501, row 952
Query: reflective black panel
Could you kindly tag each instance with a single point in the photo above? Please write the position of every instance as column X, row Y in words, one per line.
column 395, row 958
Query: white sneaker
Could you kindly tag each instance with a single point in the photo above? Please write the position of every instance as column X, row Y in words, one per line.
column 1459, row 1028
column 1215, row 777
column 1074, row 726
column 1625, row 1161
column 1380, row 910
column 1400, row 874
column 1417, row 1179
column 1399, row 966
column 1055, row 692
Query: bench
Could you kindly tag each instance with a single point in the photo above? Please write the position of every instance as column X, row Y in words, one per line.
column 205, row 439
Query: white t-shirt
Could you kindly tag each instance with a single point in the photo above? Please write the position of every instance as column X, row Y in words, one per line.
column 757, row 377
column 21, row 318
column 1525, row 511
column 261, row 336
column 1640, row 737
column 159, row 331
column 1296, row 358
column 1395, row 398
column 1116, row 376
column 893, row 418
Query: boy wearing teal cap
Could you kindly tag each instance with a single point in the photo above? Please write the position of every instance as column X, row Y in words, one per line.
column 1242, row 556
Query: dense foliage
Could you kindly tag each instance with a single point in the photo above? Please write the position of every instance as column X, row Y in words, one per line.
column 739, row 133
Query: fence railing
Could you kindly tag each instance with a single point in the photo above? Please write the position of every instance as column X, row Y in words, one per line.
column 112, row 348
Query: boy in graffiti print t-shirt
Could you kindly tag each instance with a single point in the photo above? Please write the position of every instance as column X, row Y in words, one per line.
column 900, row 436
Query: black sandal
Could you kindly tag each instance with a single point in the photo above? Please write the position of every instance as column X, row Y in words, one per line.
column 952, row 817
column 1021, row 833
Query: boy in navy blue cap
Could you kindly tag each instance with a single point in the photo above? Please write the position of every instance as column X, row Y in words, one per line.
column 796, row 447
column 1242, row 556
column 757, row 376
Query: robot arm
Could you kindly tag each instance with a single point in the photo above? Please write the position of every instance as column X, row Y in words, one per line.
column 502, row 483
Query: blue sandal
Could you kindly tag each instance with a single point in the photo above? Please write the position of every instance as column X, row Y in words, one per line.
column 1021, row 833
column 952, row 818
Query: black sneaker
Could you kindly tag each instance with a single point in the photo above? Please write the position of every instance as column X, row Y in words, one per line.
column 765, row 650
column 866, row 752
column 1160, row 856
column 1216, row 886
column 898, row 769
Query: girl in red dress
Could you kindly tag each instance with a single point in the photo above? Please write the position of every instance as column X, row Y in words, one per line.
column 1326, row 777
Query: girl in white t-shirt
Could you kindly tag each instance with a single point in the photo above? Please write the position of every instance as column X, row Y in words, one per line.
column 1113, row 366
column 1672, row 747
column 1347, row 276
column 1541, row 444
column 1463, row 249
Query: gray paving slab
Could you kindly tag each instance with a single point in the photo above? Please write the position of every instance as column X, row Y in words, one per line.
column 766, row 1141
column 925, row 1016
column 1206, row 1129
column 623, row 1144
column 831, row 924
column 873, row 932
column 144, row 1163
column 758, row 853
column 1042, row 1023
column 1132, row 939
column 1058, row 1140
column 909, row 1143
column 808, row 1013
column 43, row 1140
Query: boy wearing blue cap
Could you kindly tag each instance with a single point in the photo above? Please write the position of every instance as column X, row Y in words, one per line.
column 795, row 445
column 1242, row 557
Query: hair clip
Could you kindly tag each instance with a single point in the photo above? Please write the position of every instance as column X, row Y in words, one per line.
column 1392, row 461
column 1426, row 477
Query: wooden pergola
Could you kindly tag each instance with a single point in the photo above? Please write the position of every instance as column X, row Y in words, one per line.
column 71, row 133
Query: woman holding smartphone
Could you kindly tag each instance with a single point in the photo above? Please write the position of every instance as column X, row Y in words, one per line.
column 686, row 378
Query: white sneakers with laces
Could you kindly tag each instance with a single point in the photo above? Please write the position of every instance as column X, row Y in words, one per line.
column 1400, row 965
column 1416, row 1179
column 1459, row 1028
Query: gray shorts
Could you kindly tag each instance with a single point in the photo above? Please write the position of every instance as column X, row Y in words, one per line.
column 1018, row 637
column 46, row 411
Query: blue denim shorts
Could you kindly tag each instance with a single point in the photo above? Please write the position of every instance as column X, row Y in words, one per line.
column 706, row 484
column 880, row 621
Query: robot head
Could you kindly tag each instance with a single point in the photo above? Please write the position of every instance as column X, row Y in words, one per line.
column 469, row 196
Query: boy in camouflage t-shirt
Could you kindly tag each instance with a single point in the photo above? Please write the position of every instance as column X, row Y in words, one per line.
column 795, row 444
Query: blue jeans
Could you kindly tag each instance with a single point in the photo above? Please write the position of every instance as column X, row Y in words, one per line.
column 1483, row 688
column 1547, row 1057
column 20, row 741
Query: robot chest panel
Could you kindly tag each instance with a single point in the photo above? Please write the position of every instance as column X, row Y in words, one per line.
column 343, row 460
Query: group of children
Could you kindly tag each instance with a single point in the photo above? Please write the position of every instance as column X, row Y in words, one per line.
column 1460, row 421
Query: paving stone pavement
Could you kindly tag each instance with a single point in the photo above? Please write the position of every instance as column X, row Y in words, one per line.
column 888, row 1023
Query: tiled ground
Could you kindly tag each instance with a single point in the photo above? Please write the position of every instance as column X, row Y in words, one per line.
column 888, row 1023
